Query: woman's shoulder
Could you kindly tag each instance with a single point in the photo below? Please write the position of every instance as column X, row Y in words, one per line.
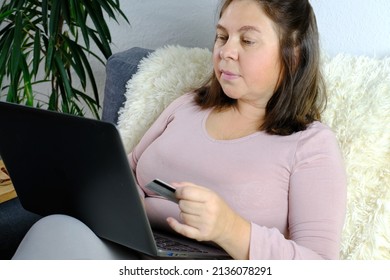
column 318, row 136
column 178, row 104
column 317, row 129
column 183, row 100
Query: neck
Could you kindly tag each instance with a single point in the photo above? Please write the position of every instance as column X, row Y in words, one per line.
column 250, row 112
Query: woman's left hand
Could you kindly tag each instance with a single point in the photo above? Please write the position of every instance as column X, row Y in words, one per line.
column 205, row 216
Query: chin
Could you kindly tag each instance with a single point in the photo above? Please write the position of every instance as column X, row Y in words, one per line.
column 233, row 94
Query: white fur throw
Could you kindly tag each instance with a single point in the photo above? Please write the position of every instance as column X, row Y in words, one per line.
column 358, row 111
column 163, row 76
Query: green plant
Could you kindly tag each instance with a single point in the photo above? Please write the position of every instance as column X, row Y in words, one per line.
column 48, row 42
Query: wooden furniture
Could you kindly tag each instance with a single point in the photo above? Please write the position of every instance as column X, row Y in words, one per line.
column 7, row 190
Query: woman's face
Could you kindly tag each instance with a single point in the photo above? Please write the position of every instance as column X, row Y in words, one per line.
column 246, row 53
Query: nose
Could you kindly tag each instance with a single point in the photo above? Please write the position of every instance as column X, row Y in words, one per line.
column 229, row 51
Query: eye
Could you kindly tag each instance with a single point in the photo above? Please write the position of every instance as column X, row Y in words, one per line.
column 221, row 38
column 247, row 42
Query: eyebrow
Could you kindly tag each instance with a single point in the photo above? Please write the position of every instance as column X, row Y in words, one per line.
column 244, row 28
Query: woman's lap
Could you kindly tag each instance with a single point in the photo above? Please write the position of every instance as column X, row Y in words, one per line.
column 63, row 237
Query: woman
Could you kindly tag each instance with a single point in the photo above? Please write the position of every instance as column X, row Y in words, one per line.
column 255, row 170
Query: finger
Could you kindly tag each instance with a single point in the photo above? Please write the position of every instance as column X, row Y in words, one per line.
column 192, row 192
column 182, row 184
column 190, row 219
column 191, row 207
column 182, row 229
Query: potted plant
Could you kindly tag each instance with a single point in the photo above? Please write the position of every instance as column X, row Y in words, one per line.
column 48, row 43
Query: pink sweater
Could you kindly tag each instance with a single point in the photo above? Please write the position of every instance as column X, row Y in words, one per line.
column 291, row 188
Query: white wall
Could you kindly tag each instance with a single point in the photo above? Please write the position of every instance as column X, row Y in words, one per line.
column 359, row 27
column 155, row 23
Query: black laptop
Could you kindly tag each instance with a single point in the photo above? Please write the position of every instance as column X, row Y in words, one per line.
column 64, row 164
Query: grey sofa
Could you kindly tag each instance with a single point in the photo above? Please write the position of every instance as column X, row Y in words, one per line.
column 15, row 221
column 119, row 69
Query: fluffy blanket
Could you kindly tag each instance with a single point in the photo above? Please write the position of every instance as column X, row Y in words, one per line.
column 358, row 111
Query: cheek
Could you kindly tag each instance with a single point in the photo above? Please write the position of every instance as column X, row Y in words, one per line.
column 252, row 70
column 262, row 67
column 216, row 60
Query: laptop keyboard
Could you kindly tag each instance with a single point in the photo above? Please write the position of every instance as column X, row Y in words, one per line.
column 172, row 245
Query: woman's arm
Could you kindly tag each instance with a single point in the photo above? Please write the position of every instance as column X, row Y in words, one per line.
column 317, row 204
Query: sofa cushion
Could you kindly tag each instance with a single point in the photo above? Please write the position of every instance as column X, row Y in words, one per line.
column 120, row 67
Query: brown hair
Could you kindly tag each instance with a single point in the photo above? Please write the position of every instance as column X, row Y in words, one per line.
column 300, row 95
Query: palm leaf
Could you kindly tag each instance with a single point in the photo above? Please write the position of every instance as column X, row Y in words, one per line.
column 28, row 92
column 63, row 76
column 76, row 61
column 45, row 8
column 101, row 27
column 81, row 22
column 6, row 14
column 37, row 52
column 16, row 48
column 89, row 70
column 38, row 35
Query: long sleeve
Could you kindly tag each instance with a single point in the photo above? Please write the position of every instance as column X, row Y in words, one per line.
column 317, row 203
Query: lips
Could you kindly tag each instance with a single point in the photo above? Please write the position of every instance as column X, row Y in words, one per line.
column 229, row 76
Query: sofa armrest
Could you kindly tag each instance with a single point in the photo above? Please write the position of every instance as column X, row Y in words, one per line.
column 120, row 67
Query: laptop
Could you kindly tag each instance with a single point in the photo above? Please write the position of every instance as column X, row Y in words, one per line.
column 64, row 164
